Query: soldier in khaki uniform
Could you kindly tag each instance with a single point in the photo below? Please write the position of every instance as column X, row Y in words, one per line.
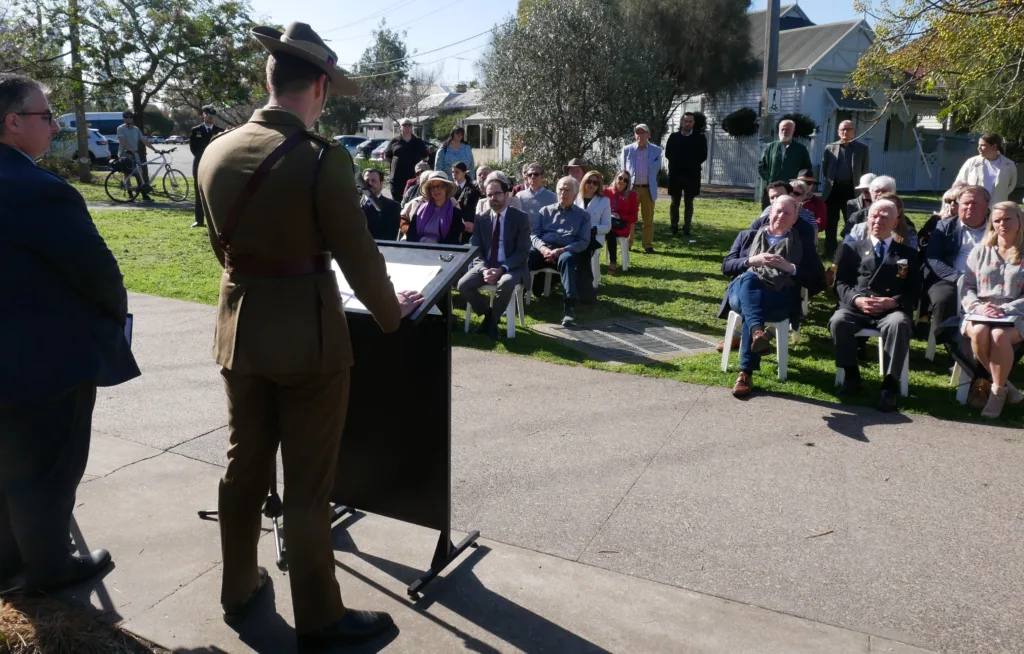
column 282, row 202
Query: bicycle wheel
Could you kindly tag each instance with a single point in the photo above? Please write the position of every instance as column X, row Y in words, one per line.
column 121, row 187
column 175, row 185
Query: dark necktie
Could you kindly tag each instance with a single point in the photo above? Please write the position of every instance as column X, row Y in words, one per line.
column 879, row 253
column 492, row 261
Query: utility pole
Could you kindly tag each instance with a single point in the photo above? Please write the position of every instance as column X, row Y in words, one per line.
column 769, row 79
column 78, row 91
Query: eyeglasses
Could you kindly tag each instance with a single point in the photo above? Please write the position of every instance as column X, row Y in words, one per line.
column 436, row 187
column 593, row 182
column 496, row 194
column 47, row 114
column 534, row 174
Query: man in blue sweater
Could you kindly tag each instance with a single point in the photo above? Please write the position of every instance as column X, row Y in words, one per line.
column 62, row 334
column 559, row 237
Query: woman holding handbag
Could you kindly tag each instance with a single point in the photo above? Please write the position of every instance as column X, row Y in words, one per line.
column 625, row 209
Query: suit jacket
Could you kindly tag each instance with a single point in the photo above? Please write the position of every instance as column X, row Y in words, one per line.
column 685, row 155
column 857, row 274
column 627, row 162
column 860, row 164
column 63, row 300
column 809, row 271
column 383, row 224
column 853, row 206
column 289, row 325
column 198, row 140
column 517, row 242
column 773, row 166
column 943, row 248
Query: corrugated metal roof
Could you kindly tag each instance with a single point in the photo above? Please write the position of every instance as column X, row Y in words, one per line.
column 800, row 47
column 471, row 99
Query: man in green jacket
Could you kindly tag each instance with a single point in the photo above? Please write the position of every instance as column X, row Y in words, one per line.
column 782, row 160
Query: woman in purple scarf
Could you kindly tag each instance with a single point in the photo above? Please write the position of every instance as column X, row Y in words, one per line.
column 439, row 218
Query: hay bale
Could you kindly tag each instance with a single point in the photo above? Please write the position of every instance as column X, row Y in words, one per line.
column 46, row 626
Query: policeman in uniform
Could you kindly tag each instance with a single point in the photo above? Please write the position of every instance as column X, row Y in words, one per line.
column 198, row 139
column 282, row 202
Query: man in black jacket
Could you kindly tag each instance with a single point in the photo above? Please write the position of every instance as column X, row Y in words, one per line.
column 62, row 334
column 198, row 139
column 403, row 153
column 843, row 163
column 686, row 151
column 877, row 281
column 383, row 223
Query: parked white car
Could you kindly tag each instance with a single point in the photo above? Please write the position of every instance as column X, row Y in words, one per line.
column 65, row 144
column 175, row 139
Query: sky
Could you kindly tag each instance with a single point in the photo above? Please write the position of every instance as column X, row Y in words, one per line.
column 434, row 26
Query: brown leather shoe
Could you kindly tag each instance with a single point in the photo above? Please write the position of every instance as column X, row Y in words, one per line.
column 760, row 342
column 977, row 396
column 735, row 344
column 744, row 384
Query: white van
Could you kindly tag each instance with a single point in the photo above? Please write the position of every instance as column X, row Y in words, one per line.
column 65, row 144
column 105, row 122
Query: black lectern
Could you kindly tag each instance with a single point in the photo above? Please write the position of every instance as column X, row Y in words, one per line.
column 395, row 457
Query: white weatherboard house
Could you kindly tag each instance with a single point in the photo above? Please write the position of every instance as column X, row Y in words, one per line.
column 815, row 65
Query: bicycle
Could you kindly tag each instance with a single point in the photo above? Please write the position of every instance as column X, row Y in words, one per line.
column 123, row 185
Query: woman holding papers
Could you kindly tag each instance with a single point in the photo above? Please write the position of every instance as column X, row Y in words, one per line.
column 993, row 298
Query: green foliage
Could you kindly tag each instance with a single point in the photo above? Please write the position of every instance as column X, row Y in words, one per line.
column 384, row 67
column 442, row 125
column 157, row 123
column 341, row 115
column 805, row 126
column 365, row 164
column 700, row 122
column 742, row 122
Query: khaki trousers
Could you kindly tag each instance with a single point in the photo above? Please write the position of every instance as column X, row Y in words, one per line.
column 647, row 215
column 305, row 414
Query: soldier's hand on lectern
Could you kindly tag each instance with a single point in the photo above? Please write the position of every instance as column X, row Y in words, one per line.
column 408, row 301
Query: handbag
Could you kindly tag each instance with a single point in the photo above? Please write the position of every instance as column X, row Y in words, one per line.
column 618, row 223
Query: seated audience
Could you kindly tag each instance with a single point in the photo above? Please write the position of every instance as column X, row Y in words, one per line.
column 775, row 189
column 625, row 206
column 523, row 181
column 877, row 281
column 535, row 197
column 862, row 200
column 383, row 223
column 993, row 293
column 438, row 219
column 592, row 199
column 502, row 238
column 879, row 185
column 409, row 209
column 946, row 257
column 467, row 194
column 560, row 235
column 812, row 202
column 412, row 186
column 948, row 210
column 904, row 232
column 769, row 266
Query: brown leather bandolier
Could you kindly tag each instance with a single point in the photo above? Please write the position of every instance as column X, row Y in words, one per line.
column 258, row 266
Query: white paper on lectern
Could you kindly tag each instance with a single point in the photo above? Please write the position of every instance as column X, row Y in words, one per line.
column 404, row 277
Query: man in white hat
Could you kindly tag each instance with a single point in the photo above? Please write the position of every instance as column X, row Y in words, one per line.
column 282, row 203
column 863, row 199
column 642, row 160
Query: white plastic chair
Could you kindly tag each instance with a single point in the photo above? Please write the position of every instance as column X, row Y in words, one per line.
column 548, row 274
column 963, row 380
column 623, row 243
column 595, row 266
column 781, row 342
column 515, row 307
column 929, row 352
column 904, row 377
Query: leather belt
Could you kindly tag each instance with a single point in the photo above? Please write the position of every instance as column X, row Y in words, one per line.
column 260, row 267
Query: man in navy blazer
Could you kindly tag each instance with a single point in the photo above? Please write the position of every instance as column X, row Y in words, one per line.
column 642, row 160
column 502, row 239
column 946, row 255
column 62, row 334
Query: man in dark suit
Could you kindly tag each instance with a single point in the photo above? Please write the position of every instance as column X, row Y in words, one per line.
column 877, row 281
column 62, row 334
column 502, row 239
column 842, row 165
column 686, row 151
column 383, row 223
column 198, row 139
column 946, row 255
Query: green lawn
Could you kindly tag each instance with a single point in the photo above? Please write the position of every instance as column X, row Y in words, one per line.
column 94, row 191
column 681, row 284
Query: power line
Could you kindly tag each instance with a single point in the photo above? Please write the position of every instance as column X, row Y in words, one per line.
column 422, row 63
column 377, row 14
column 420, row 54
column 408, row 22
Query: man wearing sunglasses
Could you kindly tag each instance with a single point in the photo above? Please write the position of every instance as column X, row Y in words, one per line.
column 535, row 197
column 62, row 334
column 133, row 143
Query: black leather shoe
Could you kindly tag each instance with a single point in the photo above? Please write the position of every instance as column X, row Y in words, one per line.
column 648, row 250
column 492, row 330
column 78, row 568
column 851, row 386
column 236, row 613
column 354, row 627
column 887, row 402
column 484, row 327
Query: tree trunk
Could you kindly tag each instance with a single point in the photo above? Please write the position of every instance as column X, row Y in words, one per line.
column 78, row 92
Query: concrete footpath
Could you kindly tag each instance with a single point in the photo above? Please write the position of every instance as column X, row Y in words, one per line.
column 617, row 513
